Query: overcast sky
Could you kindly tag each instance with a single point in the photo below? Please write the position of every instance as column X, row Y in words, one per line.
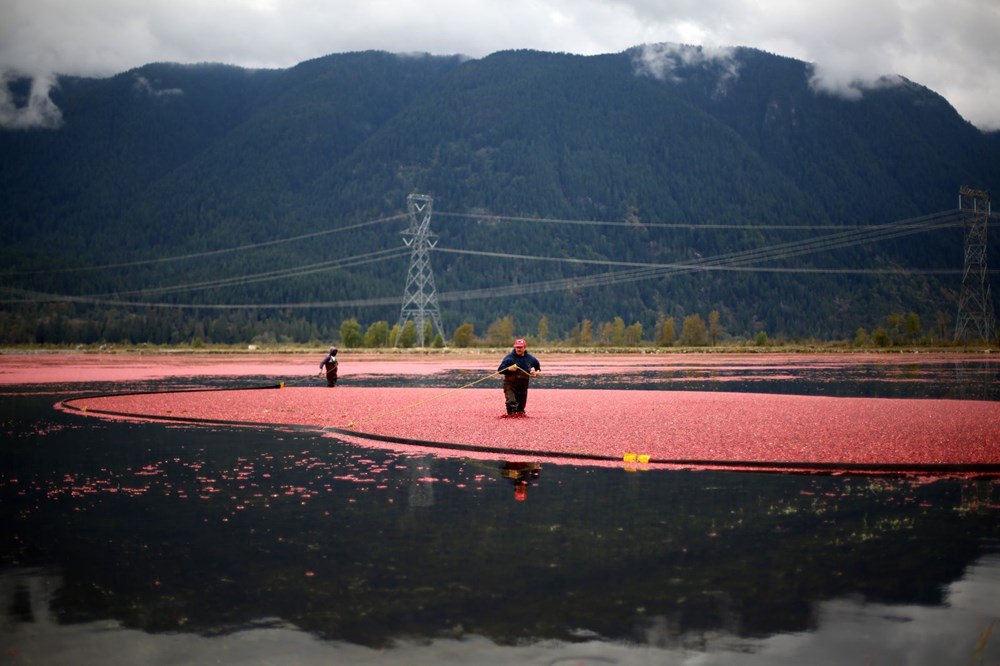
column 950, row 46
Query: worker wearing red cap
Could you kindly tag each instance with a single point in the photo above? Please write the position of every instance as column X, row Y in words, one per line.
column 518, row 367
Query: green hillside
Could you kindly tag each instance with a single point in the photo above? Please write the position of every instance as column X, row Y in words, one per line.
column 214, row 203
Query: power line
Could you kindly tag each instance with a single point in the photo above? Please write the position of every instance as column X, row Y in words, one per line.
column 691, row 226
column 477, row 216
column 209, row 253
column 40, row 297
column 731, row 261
column 721, row 262
column 781, row 251
column 309, row 269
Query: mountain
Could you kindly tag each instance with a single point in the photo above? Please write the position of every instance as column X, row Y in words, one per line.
column 178, row 202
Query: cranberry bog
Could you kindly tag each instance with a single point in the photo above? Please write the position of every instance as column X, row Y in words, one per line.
column 742, row 414
column 649, row 509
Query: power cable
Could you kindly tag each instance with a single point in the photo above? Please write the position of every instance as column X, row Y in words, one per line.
column 693, row 226
column 210, row 253
column 308, row 269
column 732, row 261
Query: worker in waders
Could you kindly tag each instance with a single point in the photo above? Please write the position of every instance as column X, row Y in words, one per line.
column 329, row 365
column 518, row 367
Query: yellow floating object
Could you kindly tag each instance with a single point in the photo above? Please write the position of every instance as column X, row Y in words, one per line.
column 635, row 457
column 281, row 385
column 642, row 458
column 628, row 457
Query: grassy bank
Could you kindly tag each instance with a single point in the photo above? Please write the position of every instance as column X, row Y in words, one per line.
column 319, row 349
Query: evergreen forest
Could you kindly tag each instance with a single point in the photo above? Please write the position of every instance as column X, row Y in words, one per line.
column 662, row 195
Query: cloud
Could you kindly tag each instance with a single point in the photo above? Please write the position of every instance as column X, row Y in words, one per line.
column 673, row 62
column 143, row 85
column 668, row 62
column 848, row 84
column 853, row 45
column 949, row 47
column 37, row 110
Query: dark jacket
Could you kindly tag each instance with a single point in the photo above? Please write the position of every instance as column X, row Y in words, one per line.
column 526, row 363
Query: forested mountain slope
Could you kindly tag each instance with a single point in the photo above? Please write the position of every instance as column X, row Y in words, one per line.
column 660, row 182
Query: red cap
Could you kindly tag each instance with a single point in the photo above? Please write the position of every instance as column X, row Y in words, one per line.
column 520, row 343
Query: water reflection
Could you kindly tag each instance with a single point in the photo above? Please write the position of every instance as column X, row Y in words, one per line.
column 143, row 542
column 847, row 630
column 521, row 474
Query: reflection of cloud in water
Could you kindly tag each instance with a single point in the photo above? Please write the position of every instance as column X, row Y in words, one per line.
column 849, row 631
column 421, row 482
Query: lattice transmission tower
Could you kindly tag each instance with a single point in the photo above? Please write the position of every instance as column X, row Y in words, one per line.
column 420, row 303
column 975, row 319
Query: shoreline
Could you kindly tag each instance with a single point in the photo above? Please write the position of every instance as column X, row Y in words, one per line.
column 227, row 350
column 69, row 367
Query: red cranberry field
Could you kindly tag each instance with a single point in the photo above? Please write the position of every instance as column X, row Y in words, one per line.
column 634, row 426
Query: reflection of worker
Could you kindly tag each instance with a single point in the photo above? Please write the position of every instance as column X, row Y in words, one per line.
column 518, row 367
column 330, row 364
column 520, row 473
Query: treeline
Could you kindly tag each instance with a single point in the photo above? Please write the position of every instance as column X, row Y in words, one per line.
column 693, row 330
column 67, row 323
column 61, row 324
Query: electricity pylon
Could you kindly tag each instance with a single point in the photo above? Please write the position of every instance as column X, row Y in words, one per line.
column 975, row 319
column 420, row 303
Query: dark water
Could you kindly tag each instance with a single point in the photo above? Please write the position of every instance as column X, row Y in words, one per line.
column 146, row 543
